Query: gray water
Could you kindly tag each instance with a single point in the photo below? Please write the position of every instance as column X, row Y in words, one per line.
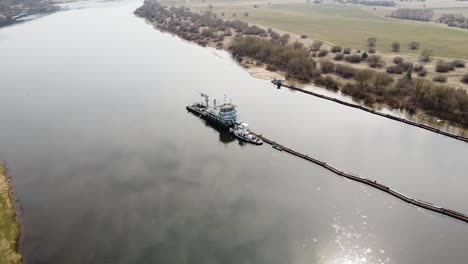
column 108, row 166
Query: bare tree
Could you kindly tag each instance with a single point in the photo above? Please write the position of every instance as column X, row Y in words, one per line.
column 372, row 42
column 426, row 55
column 284, row 39
column 375, row 61
column 396, row 46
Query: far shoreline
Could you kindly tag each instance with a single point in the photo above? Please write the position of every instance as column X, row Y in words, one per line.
column 222, row 40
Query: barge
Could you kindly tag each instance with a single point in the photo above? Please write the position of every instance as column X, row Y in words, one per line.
column 223, row 116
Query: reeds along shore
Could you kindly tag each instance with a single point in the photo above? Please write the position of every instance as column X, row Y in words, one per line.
column 9, row 227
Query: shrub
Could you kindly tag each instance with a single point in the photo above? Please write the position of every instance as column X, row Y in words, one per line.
column 284, row 39
column 298, row 45
column 345, row 71
column 363, row 77
column 370, row 101
column 322, row 53
column 303, row 36
column 382, row 79
column 315, row 72
column 395, row 69
column 418, row 68
column 316, row 45
column 327, row 81
column 444, row 66
column 407, row 66
column 398, row 60
column 353, row 58
column 207, row 33
column 375, row 61
column 440, row 78
column 271, row 67
column 336, row 49
column 347, row 50
column 371, row 50
column 413, row 45
column 327, row 66
column 364, row 56
column 464, row 79
column 338, row 57
column 422, row 73
column 458, row 64
column 355, row 91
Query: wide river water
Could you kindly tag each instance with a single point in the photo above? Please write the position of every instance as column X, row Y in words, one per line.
column 108, row 166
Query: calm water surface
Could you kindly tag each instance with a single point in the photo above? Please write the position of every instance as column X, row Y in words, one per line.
column 109, row 167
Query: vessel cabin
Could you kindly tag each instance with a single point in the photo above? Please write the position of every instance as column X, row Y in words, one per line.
column 228, row 112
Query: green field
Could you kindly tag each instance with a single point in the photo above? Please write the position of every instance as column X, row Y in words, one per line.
column 351, row 26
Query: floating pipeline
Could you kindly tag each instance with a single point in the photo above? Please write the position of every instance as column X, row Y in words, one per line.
column 372, row 183
column 279, row 83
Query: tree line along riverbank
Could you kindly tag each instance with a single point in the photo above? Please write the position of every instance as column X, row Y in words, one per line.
column 12, row 10
column 9, row 228
column 278, row 53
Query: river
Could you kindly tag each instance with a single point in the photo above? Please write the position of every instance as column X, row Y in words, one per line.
column 108, row 166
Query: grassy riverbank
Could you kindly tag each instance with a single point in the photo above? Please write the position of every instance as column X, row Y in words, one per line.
column 9, row 228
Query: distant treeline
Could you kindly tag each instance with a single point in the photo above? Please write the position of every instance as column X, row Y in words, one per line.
column 372, row 3
column 199, row 28
column 454, row 20
column 413, row 14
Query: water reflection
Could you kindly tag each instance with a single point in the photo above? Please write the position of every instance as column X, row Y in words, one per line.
column 225, row 136
column 109, row 168
column 418, row 117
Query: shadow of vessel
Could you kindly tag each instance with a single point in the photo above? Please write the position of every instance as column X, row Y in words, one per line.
column 225, row 136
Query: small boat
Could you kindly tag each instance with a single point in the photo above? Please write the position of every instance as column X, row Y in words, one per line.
column 241, row 132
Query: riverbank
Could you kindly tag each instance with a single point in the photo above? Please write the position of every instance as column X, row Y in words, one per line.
column 9, row 228
column 13, row 11
column 280, row 53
